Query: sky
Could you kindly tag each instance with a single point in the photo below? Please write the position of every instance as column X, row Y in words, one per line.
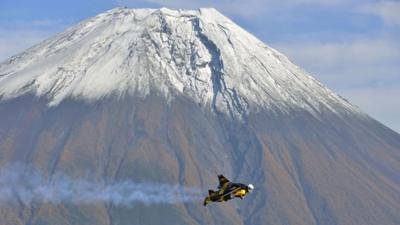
column 351, row 46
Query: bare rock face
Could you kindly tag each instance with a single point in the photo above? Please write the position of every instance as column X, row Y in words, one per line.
column 177, row 97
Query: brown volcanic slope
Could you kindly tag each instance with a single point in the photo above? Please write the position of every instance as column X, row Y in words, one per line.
column 313, row 160
column 305, row 171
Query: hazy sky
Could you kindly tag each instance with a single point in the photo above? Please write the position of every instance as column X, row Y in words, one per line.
column 352, row 46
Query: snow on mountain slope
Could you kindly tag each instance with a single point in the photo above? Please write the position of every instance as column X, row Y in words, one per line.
column 200, row 54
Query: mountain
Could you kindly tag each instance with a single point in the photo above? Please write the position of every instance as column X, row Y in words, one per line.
column 177, row 97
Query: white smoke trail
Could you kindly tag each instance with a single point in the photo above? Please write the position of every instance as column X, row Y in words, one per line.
column 17, row 183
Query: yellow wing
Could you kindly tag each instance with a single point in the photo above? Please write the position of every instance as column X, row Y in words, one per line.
column 223, row 182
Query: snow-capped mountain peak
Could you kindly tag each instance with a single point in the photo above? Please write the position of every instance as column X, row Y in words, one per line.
column 200, row 54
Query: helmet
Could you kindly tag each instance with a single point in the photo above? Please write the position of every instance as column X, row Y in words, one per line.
column 251, row 187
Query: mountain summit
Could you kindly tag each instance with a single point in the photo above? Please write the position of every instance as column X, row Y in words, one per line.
column 199, row 54
column 136, row 97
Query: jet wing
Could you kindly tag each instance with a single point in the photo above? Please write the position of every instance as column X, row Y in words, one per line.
column 223, row 182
